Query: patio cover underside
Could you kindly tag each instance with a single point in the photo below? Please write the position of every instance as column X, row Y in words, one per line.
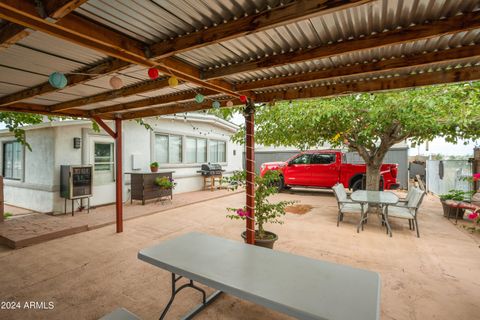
column 268, row 50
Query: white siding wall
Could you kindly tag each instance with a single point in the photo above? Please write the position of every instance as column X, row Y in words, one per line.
column 35, row 189
column 52, row 147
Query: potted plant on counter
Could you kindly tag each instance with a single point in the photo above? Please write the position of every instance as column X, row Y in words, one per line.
column 265, row 211
column 154, row 166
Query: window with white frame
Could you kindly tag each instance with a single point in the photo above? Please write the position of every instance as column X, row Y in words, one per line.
column 168, row 148
column 217, row 151
column 103, row 163
column 13, row 160
column 195, row 150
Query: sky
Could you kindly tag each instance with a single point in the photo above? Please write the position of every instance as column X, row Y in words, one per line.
column 439, row 146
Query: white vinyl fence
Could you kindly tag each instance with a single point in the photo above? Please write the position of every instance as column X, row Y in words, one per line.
column 452, row 178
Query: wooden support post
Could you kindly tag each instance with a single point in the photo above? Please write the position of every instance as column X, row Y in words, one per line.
column 250, row 168
column 119, row 175
column 117, row 135
column 2, row 209
column 476, row 167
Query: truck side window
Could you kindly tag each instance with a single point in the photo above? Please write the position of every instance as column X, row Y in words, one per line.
column 303, row 159
column 323, row 158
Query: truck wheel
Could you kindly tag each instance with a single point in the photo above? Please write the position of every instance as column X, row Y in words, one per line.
column 281, row 184
column 357, row 185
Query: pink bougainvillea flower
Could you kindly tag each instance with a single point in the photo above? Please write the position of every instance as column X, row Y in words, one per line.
column 241, row 212
column 473, row 216
column 476, row 177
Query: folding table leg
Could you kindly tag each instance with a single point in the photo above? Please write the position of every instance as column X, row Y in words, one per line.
column 205, row 300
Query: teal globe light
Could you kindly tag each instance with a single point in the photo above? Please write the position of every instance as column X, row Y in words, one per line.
column 57, row 80
column 199, row 98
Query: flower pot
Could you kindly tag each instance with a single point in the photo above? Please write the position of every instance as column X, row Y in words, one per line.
column 451, row 212
column 154, row 169
column 266, row 243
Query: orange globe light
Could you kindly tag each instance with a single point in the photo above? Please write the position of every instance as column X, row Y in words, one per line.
column 153, row 73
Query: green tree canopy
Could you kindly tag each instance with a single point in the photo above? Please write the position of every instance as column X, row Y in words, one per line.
column 14, row 122
column 371, row 123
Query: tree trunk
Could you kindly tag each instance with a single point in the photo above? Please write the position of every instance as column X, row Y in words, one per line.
column 373, row 175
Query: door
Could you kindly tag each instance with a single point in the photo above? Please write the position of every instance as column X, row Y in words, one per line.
column 102, row 157
column 324, row 170
column 297, row 171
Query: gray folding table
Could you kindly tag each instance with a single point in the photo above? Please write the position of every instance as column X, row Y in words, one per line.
column 297, row 286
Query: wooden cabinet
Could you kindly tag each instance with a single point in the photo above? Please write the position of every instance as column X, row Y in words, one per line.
column 143, row 186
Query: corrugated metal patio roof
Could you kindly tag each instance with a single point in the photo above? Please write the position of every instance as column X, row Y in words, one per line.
column 153, row 26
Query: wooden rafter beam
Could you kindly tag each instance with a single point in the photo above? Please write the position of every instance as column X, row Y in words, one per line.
column 281, row 15
column 437, row 28
column 186, row 95
column 11, row 33
column 73, row 79
column 177, row 108
column 113, row 94
column 385, row 84
column 105, row 127
column 424, row 59
column 451, row 56
column 39, row 109
column 55, row 9
column 79, row 30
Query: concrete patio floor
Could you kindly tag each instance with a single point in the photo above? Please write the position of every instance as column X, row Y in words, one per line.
column 32, row 228
column 89, row 274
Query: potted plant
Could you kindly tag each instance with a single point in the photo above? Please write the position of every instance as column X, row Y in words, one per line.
column 154, row 166
column 453, row 195
column 265, row 211
column 165, row 183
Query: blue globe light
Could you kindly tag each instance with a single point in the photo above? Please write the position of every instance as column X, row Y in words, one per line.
column 58, row 80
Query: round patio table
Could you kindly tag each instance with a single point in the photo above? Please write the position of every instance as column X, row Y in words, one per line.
column 382, row 198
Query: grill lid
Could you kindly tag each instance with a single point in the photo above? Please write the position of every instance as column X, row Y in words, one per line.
column 211, row 167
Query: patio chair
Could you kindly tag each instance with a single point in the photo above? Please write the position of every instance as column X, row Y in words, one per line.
column 404, row 201
column 410, row 210
column 344, row 203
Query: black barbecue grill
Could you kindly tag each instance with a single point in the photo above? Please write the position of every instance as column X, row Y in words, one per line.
column 211, row 169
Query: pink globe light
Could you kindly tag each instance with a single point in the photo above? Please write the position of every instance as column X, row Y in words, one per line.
column 116, row 82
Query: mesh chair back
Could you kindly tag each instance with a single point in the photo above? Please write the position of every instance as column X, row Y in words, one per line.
column 410, row 193
column 340, row 192
column 416, row 198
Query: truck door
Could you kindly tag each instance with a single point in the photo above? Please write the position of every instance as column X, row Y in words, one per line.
column 324, row 170
column 297, row 171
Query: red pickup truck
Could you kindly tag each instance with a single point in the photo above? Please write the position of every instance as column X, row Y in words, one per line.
column 324, row 168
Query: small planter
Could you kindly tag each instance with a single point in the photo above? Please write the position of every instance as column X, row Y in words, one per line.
column 451, row 212
column 154, row 169
column 266, row 243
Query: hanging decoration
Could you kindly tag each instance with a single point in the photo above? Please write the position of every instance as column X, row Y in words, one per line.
column 153, row 73
column 243, row 99
column 199, row 98
column 172, row 81
column 58, row 80
column 216, row 104
column 116, row 82
column 229, row 103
